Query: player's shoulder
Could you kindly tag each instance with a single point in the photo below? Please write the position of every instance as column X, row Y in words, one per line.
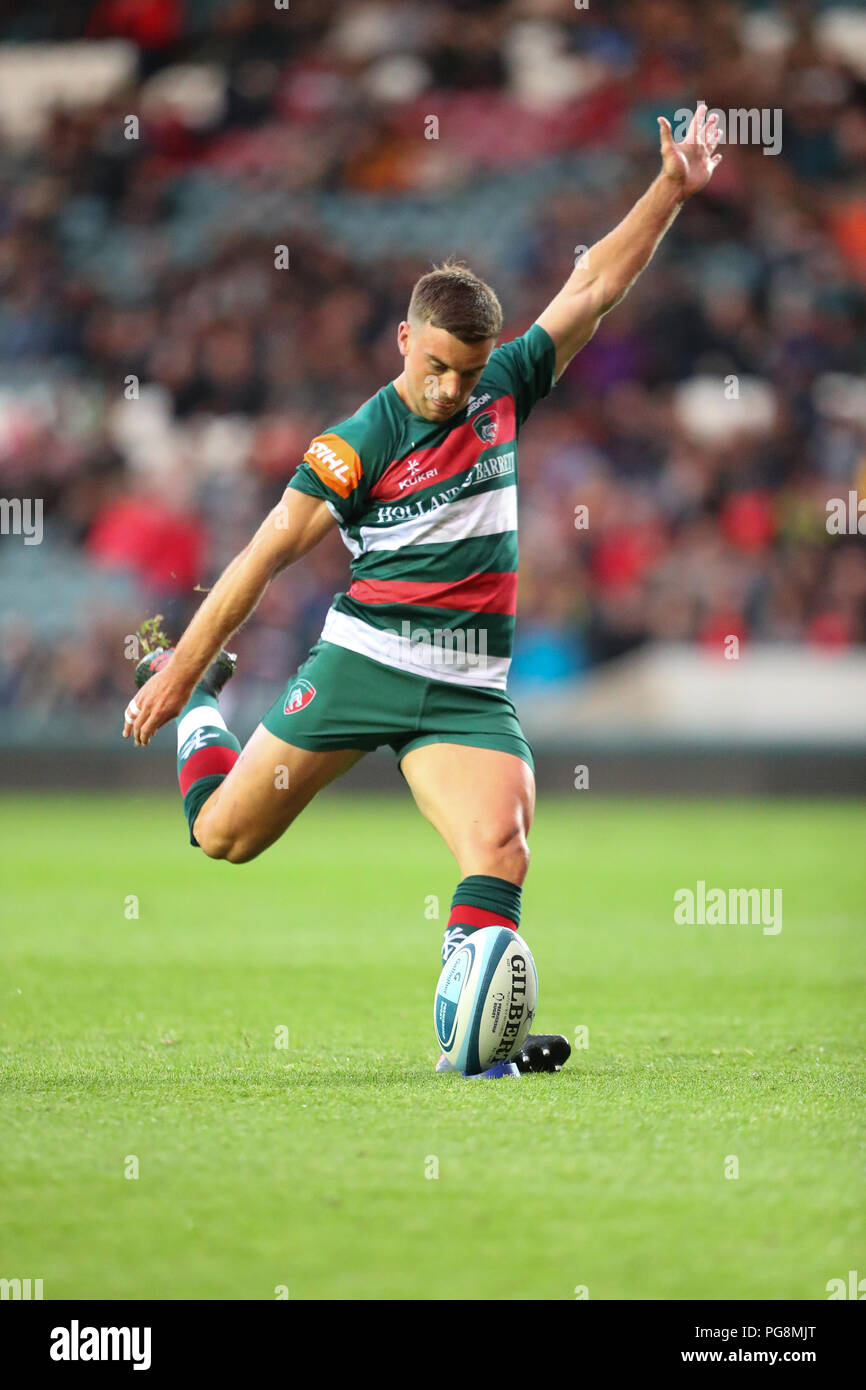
column 522, row 352
column 361, row 445
column 523, row 368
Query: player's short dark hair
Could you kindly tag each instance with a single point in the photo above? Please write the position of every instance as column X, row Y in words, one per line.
column 453, row 297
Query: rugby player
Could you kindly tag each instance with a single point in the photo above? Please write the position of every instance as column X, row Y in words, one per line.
column 422, row 483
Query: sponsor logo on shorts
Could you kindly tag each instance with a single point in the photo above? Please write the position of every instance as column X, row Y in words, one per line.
column 301, row 692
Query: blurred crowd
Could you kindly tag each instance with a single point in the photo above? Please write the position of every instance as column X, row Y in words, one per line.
column 163, row 365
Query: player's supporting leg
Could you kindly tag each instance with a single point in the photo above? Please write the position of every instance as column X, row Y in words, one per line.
column 238, row 802
column 481, row 801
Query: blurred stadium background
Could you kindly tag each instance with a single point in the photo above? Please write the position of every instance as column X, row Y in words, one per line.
column 160, row 378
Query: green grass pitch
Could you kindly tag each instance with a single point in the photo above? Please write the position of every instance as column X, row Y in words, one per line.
column 310, row 1167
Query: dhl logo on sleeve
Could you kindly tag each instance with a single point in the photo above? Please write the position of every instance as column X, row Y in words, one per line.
column 335, row 462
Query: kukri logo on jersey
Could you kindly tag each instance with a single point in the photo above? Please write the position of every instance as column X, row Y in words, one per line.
column 416, row 473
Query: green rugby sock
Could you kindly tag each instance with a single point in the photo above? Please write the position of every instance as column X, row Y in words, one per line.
column 206, row 752
column 480, row 901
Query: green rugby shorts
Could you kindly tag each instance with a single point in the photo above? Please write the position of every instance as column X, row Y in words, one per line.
column 340, row 699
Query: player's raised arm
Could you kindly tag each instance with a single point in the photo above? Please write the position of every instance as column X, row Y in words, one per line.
column 295, row 525
column 605, row 273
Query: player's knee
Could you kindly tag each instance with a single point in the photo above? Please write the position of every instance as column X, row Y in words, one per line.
column 515, row 857
column 241, row 852
column 221, row 843
column 503, row 851
column 232, row 851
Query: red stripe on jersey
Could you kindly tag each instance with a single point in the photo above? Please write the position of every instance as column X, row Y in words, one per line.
column 463, row 916
column 204, row 763
column 457, row 452
column 478, row 593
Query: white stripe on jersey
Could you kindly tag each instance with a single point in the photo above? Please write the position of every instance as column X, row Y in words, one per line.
column 353, row 547
column 393, row 649
column 486, row 514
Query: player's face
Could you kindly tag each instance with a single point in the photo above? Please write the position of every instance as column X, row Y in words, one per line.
column 441, row 371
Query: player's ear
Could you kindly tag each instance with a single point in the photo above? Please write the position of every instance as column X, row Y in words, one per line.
column 404, row 333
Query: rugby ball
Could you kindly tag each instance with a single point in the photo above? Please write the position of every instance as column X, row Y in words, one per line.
column 485, row 999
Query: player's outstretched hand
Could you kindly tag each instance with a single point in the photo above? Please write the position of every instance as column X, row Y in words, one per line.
column 690, row 162
column 158, row 701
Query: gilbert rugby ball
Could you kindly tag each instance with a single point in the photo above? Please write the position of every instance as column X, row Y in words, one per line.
column 486, row 999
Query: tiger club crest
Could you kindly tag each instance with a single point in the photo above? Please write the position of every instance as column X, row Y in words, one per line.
column 300, row 693
column 486, row 426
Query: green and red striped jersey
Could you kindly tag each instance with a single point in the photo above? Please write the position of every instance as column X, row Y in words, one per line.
column 428, row 512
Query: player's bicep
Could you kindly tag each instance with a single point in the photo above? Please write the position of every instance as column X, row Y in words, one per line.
column 295, row 525
column 331, row 470
column 525, row 368
column 571, row 319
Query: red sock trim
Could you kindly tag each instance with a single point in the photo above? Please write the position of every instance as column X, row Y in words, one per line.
column 463, row 916
column 204, row 763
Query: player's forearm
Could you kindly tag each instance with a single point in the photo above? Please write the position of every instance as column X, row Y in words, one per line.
column 613, row 264
column 604, row 274
column 226, row 608
column 289, row 531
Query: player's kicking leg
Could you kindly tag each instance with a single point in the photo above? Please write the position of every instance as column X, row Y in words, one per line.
column 481, row 800
column 239, row 801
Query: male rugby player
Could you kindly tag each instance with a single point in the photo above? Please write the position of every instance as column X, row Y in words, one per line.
column 422, row 483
